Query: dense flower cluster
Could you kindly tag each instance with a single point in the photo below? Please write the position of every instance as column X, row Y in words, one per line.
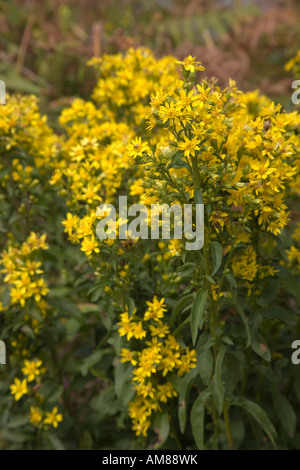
column 32, row 371
column 242, row 163
column 22, row 126
column 125, row 83
column 161, row 355
column 23, row 272
column 96, row 156
column 28, row 148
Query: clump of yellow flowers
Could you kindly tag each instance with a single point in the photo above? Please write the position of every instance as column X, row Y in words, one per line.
column 32, row 371
column 161, row 355
column 22, row 272
column 28, row 149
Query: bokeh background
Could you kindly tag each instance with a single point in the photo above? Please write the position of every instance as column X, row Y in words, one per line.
column 44, row 46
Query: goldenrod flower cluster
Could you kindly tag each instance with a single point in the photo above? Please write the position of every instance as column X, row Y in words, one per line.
column 242, row 163
column 22, row 126
column 160, row 356
column 22, row 271
column 32, row 371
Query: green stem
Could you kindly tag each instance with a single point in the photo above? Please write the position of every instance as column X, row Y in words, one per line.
column 196, row 174
column 245, row 375
column 227, row 426
column 176, row 437
column 214, row 417
column 229, row 258
column 260, row 385
column 208, row 285
column 205, row 268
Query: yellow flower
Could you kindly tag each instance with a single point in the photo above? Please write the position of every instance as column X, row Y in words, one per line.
column 89, row 245
column 156, row 309
column 137, row 147
column 18, row 389
column 161, row 330
column 187, row 361
column 35, row 415
column 128, row 356
column 190, row 64
column 52, row 417
column 189, row 146
column 175, row 247
column 245, row 265
column 261, row 169
column 32, row 369
column 137, row 330
column 165, row 391
column 169, row 112
column 294, row 254
column 145, row 390
column 70, row 223
column 141, row 427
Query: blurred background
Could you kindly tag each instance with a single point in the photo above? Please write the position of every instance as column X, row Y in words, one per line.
column 44, row 45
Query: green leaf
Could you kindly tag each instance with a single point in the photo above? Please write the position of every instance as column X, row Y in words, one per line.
column 16, row 437
column 187, row 269
column 232, row 282
column 259, row 415
column 96, row 294
column 17, row 421
column 19, row 83
column 180, row 305
column 296, row 382
column 176, row 158
column 162, row 428
column 56, row 394
column 290, row 282
column 216, row 252
column 55, row 442
column 285, row 413
column 234, row 372
column 183, row 387
column 2, row 228
column 205, row 341
column 238, row 308
column 130, row 306
column 237, row 428
column 269, row 293
column 28, row 331
column 285, row 315
column 217, row 387
column 123, row 385
column 210, row 279
column 92, row 360
column 197, row 319
column 295, row 441
column 205, row 365
column 197, row 418
column 259, row 345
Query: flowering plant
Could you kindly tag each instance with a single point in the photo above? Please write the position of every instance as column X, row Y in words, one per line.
column 193, row 346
